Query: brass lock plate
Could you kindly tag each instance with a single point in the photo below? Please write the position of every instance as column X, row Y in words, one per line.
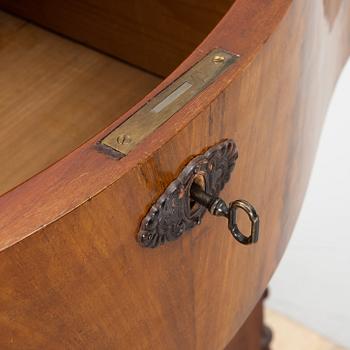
column 159, row 109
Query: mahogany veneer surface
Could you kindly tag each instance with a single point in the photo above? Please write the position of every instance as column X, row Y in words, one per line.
column 54, row 95
column 73, row 275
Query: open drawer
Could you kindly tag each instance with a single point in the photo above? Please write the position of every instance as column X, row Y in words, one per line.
column 102, row 106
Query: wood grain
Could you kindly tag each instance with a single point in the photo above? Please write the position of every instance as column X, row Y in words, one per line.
column 55, row 95
column 74, row 275
column 156, row 35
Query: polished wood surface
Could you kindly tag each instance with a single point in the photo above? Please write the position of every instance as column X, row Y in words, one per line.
column 55, row 95
column 74, row 274
column 155, row 35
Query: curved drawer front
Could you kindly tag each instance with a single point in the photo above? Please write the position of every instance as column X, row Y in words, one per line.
column 84, row 282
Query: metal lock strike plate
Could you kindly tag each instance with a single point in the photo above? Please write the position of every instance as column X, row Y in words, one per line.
column 159, row 109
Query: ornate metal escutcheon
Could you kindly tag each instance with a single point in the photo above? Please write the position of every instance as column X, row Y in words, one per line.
column 194, row 191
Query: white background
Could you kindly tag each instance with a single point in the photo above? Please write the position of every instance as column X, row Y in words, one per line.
column 312, row 283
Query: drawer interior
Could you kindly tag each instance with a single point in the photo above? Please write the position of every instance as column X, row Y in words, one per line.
column 54, row 95
column 68, row 69
column 155, row 35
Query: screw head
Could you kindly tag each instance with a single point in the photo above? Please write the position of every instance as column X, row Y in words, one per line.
column 124, row 139
column 218, row 59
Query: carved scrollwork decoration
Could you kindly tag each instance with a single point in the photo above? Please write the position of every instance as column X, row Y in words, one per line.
column 175, row 212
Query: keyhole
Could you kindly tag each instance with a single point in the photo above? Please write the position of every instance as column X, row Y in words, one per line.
column 200, row 181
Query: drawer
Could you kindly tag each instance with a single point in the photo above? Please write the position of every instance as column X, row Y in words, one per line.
column 103, row 105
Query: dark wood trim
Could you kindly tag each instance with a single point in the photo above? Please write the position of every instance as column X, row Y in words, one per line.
column 253, row 334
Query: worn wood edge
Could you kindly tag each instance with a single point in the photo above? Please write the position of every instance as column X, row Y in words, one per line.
column 84, row 173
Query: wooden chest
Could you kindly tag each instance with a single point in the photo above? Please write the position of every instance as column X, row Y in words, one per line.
column 107, row 111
